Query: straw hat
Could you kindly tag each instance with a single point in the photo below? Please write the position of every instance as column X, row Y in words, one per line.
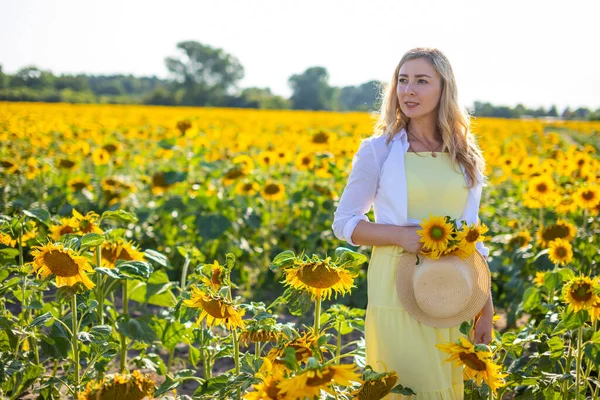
column 445, row 292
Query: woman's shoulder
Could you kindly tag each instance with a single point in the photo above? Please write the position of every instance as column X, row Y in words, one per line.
column 375, row 147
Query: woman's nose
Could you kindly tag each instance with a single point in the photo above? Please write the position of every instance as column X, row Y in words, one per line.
column 409, row 89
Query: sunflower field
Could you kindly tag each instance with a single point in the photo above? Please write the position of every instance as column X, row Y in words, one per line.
column 177, row 253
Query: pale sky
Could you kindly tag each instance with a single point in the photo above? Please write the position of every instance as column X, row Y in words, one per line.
column 506, row 52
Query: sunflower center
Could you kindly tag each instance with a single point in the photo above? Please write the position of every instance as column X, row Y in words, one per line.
column 272, row 188
column 436, row 232
column 542, row 188
column 472, row 236
column 582, row 292
column 321, row 137
column 320, row 276
column 215, row 308
column 272, row 390
column 588, row 195
column 472, row 361
column 247, row 187
column 216, row 277
column 561, row 252
column 555, row 232
column 325, row 377
column 234, row 174
column 305, row 161
column 61, row 264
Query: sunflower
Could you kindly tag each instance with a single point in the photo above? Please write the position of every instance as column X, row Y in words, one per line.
column 255, row 333
column 566, row 205
column 560, row 230
column 539, row 278
column 305, row 162
column 376, row 385
column 233, row 174
column 311, row 381
column 479, row 365
column 302, row 345
column 320, row 137
column 468, row 236
column 87, row 223
column 101, row 156
column 519, row 240
column 436, row 233
column 119, row 250
column 273, row 191
column 68, row 267
column 560, row 251
column 543, row 189
column 320, row 278
column 67, row 225
column 78, row 184
column 215, row 309
column 12, row 239
column 267, row 158
column 580, row 293
column 587, row 197
column 595, row 311
column 133, row 386
column 245, row 162
column 65, row 163
column 216, row 276
column 267, row 389
column 247, row 188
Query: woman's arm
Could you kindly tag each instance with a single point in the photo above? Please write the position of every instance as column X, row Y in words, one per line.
column 372, row 234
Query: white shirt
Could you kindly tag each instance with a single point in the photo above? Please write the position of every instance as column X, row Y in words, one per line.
column 369, row 184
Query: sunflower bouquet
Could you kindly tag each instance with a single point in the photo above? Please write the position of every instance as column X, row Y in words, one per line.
column 442, row 236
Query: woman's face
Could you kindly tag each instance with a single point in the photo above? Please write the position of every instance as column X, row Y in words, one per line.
column 418, row 82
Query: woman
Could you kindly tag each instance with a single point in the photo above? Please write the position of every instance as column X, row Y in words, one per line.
column 422, row 159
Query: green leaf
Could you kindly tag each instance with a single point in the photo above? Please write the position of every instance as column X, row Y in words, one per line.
column 157, row 257
column 592, row 350
column 297, row 302
column 136, row 329
column 399, row 389
column 556, row 346
column 100, row 333
column 120, row 216
column 194, row 355
column 113, row 273
column 134, row 269
column 170, row 333
column 532, row 299
column 39, row 214
column 91, row 240
column 168, row 385
column 158, row 294
column 573, row 320
column 349, row 259
column 41, row 319
column 282, row 260
column 212, row 226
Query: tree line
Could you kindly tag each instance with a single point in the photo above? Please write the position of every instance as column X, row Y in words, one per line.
column 202, row 75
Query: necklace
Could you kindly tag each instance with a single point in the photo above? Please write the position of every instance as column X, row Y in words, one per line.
column 420, row 141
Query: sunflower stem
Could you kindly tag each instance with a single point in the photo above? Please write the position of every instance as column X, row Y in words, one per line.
column 99, row 287
column 236, row 344
column 74, row 339
column 186, row 265
column 257, row 351
column 565, row 388
column 123, row 357
column 338, row 350
column 579, row 357
column 317, row 315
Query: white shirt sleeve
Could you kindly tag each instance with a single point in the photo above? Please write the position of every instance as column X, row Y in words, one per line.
column 359, row 193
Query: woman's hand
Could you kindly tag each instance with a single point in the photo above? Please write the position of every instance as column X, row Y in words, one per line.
column 482, row 331
column 409, row 239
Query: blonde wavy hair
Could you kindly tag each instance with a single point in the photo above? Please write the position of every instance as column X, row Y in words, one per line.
column 452, row 122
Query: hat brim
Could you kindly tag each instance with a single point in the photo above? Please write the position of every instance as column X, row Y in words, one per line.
column 481, row 278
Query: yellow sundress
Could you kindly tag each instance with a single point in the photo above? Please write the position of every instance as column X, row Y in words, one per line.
column 394, row 339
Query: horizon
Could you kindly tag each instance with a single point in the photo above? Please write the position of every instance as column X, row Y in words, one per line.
column 487, row 74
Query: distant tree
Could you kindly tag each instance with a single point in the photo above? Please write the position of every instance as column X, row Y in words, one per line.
column 205, row 73
column 311, row 90
column 32, row 77
column 360, row 98
column 3, row 79
column 76, row 83
column 552, row 112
